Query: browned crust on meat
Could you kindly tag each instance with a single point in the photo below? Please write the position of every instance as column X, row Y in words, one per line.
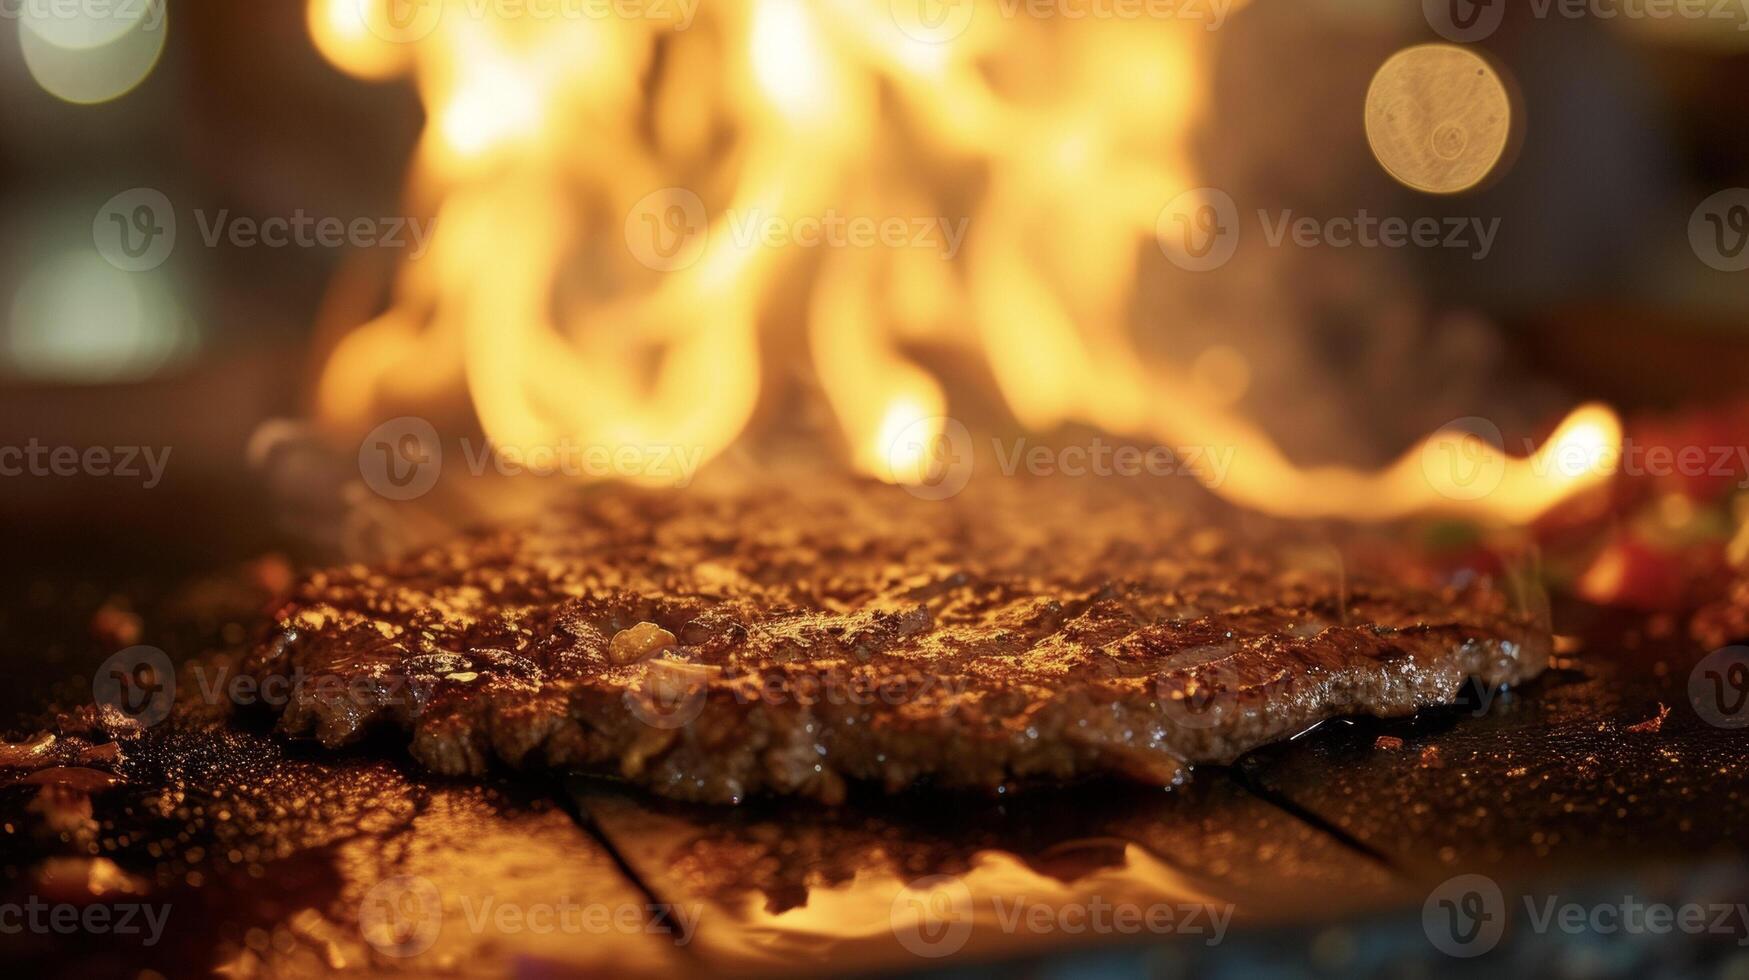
column 857, row 633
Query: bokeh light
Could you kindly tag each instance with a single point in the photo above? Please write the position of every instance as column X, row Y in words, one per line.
column 85, row 74
column 85, row 26
column 76, row 318
column 1439, row 118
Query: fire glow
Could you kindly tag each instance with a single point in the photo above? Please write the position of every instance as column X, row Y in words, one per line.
column 553, row 144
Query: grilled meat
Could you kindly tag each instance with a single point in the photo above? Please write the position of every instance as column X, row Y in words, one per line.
column 717, row 646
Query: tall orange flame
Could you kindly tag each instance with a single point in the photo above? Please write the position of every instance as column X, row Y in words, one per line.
column 595, row 181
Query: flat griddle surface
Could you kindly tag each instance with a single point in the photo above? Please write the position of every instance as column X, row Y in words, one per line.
column 1326, row 847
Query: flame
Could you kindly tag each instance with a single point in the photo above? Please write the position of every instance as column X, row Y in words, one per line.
column 592, row 276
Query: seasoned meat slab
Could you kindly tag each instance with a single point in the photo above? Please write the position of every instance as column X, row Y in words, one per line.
column 714, row 646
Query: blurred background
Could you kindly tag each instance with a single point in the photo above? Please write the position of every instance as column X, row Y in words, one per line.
column 531, row 138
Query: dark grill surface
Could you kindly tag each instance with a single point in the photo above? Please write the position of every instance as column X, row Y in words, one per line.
column 1326, row 848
